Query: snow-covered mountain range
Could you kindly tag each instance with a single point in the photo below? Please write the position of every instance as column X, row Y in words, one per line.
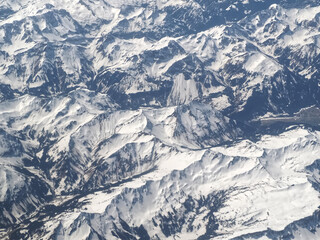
column 141, row 119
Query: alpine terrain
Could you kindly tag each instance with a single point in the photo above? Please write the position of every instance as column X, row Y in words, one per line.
column 159, row 119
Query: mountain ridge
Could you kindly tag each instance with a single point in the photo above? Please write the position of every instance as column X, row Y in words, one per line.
column 111, row 105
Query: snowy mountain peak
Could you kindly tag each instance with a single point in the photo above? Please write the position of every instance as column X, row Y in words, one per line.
column 159, row 119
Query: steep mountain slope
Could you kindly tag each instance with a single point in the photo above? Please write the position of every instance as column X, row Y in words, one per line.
column 140, row 119
column 209, row 198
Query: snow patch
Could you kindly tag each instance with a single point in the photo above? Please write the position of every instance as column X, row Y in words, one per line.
column 259, row 63
column 183, row 91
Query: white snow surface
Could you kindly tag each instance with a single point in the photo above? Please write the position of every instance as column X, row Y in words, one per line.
column 217, row 47
column 265, row 182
